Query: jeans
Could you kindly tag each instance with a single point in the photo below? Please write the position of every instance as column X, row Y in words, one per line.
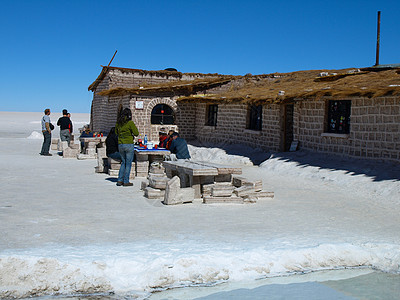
column 46, row 142
column 127, row 152
column 115, row 155
column 65, row 135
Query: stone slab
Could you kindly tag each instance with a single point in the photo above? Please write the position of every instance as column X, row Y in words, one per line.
column 152, row 193
column 158, row 182
column 232, row 199
column 70, row 153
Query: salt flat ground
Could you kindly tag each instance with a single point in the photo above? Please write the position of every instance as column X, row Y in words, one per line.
column 60, row 215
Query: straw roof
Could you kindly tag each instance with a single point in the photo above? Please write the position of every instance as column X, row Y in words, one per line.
column 105, row 69
column 282, row 87
column 267, row 88
column 176, row 87
column 158, row 73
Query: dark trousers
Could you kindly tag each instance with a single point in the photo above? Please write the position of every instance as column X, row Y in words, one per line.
column 46, row 142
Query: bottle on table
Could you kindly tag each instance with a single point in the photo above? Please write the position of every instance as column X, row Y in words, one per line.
column 145, row 139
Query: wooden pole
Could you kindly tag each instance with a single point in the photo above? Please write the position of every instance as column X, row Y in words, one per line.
column 378, row 38
column 112, row 58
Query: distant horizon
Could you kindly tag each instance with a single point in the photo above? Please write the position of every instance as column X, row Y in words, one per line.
column 52, row 112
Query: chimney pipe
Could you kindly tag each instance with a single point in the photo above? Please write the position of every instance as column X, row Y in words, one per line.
column 378, row 38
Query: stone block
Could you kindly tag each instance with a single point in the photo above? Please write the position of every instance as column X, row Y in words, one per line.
column 257, row 185
column 75, row 146
column 101, row 152
column 62, row 145
column 232, row 199
column 144, row 184
column 244, row 190
column 141, row 174
column 113, row 173
column 91, row 145
column 158, row 182
column 187, row 194
column 54, row 144
column 261, row 195
column 70, row 153
column 172, row 191
column 153, row 193
column 91, row 151
column 85, row 156
column 238, row 181
column 219, row 190
column 102, row 165
column 206, row 189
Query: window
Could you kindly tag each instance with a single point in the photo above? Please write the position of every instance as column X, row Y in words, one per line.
column 211, row 115
column 339, row 116
column 254, row 117
column 162, row 114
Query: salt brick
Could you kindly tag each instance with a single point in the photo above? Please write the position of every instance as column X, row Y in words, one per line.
column 232, row 199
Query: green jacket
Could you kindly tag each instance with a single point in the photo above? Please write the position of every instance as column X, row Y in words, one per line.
column 126, row 132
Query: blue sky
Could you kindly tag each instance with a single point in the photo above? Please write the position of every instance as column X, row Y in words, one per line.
column 52, row 50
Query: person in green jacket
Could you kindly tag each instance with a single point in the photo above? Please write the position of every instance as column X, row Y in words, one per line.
column 126, row 131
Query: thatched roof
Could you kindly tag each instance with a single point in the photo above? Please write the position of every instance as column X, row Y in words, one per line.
column 157, row 73
column 160, row 73
column 282, row 87
column 171, row 88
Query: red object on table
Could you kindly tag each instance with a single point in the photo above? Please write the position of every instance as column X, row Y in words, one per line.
column 155, row 146
column 94, row 135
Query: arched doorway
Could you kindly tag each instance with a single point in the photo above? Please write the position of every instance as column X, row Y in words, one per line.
column 162, row 114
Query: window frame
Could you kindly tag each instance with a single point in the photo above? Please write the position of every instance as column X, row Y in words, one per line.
column 211, row 115
column 162, row 115
column 254, row 117
column 338, row 119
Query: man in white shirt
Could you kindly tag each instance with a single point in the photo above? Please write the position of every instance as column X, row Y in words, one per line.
column 46, row 130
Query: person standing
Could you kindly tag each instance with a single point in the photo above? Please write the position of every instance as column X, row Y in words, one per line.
column 46, row 130
column 65, row 124
column 126, row 131
column 112, row 145
column 179, row 147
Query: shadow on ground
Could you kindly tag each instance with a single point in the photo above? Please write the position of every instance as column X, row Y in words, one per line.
column 378, row 170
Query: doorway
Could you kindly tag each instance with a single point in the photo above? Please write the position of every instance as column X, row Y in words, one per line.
column 288, row 126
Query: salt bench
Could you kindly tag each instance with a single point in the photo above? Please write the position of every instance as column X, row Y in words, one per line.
column 194, row 174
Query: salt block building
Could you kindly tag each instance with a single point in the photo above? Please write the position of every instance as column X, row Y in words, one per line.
column 351, row 112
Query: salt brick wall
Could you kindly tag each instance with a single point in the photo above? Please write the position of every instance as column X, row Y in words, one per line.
column 104, row 108
column 231, row 125
column 374, row 128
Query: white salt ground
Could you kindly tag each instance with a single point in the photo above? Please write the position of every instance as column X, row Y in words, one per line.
column 68, row 230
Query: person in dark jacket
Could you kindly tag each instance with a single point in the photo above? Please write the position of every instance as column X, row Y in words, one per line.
column 65, row 124
column 112, row 145
column 179, row 147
